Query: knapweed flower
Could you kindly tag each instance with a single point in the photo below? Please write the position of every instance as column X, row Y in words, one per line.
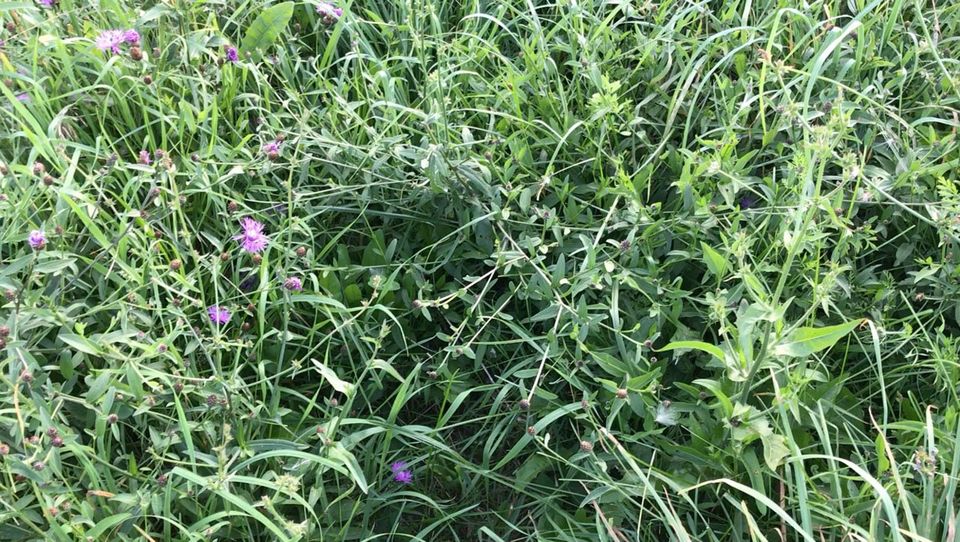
column 329, row 12
column 131, row 36
column 272, row 149
column 231, row 53
column 46, row 3
column 293, row 284
column 400, row 472
column 218, row 314
column 145, row 157
column 23, row 97
column 110, row 40
column 37, row 239
column 252, row 239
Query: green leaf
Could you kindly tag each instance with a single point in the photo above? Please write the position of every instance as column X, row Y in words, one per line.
column 711, row 349
column 339, row 453
column 331, row 377
column 266, row 29
column 716, row 263
column 774, row 450
column 808, row 340
column 81, row 344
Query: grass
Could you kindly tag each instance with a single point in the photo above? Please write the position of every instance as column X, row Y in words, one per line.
column 594, row 270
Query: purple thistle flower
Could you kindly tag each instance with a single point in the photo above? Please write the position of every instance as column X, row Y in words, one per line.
column 110, row 40
column 218, row 314
column 145, row 157
column 37, row 239
column 398, row 466
column 293, row 284
column 231, row 53
column 252, row 239
column 329, row 12
column 46, row 3
column 747, row 202
column 272, row 149
column 403, row 477
column 23, row 97
column 131, row 36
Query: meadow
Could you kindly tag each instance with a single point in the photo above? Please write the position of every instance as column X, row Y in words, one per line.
column 476, row 270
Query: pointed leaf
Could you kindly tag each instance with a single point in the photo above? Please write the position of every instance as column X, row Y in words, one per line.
column 808, row 340
column 266, row 28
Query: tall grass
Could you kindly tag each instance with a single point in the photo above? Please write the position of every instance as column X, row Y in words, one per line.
column 593, row 270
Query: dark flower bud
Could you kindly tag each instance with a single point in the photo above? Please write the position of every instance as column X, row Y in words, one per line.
column 195, row 157
column 224, row 256
column 136, row 53
column 39, row 168
column 58, row 230
column 112, row 419
column 39, row 466
column 161, row 348
column 52, row 432
column 301, row 251
column 532, row 431
column 586, row 446
column 3, row 168
column 10, row 294
column 257, row 258
column 147, row 79
column 232, row 206
column 4, row 331
column 4, row 450
column 175, row 265
column 621, row 393
column 524, row 404
column 26, row 376
column 57, row 442
column 245, row 326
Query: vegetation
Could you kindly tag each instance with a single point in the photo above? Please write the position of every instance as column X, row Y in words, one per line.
column 606, row 270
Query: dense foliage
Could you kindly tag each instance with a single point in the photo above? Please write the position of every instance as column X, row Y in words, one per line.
column 479, row 270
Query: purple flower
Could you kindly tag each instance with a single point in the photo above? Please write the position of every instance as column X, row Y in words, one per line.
column 46, row 3
column 145, row 157
column 37, row 239
column 398, row 466
column 293, row 284
column 218, row 314
column 131, row 36
column 747, row 202
column 252, row 239
column 231, row 53
column 403, row 477
column 23, row 97
column 329, row 12
column 110, row 40
column 272, row 149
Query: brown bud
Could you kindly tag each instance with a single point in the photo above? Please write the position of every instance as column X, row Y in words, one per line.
column 4, row 331
column 112, row 419
column 257, row 258
column 39, row 168
column 245, row 326
column 224, row 256
column 57, row 442
column 301, row 251
column 10, row 294
column 136, row 53
column 621, row 393
column 175, row 265
column 524, row 404
column 532, row 431
column 232, row 206
column 147, row 79
column 586, row 446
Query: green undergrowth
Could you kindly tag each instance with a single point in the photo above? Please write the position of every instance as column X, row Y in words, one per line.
column 593, row 270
